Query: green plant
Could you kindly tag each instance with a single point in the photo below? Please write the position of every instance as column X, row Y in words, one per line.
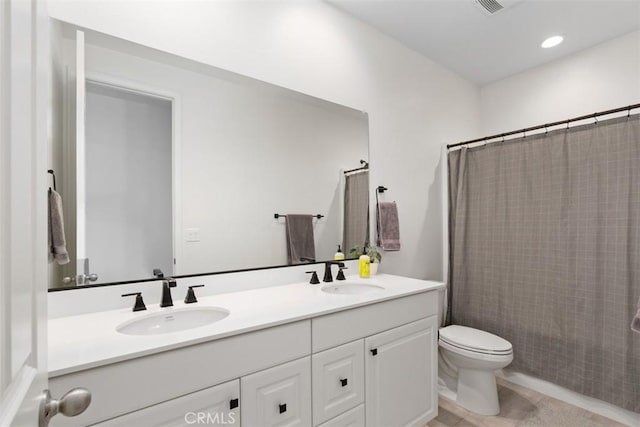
column 372, row 251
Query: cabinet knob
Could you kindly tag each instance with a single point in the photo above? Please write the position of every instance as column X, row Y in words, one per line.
column 374, row 351
column 282, row 407
column 233, row 403
column 343, row 382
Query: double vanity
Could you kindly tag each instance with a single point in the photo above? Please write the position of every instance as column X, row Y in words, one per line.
column 347, row 353
column 257, row 345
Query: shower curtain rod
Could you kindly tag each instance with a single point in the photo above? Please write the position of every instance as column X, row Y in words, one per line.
column 547, row 125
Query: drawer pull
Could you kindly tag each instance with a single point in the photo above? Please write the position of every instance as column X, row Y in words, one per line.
column 283, row 407
column 374, row 351
column 343, row 382
column 233, row 403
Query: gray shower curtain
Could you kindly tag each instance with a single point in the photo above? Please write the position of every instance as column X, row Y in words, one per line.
column 356, row 211
column 545, row 252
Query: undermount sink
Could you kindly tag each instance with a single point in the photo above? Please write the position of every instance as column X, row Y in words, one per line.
column 174, row 320
column 351, row 288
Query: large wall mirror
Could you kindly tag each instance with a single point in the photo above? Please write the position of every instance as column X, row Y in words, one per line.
column 169, row 167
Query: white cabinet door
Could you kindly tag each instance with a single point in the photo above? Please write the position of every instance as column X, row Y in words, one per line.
column 215, row 406
column 279, row 396
column 338, row 380
column 401, row 371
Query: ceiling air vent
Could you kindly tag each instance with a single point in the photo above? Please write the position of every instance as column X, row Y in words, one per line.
column 489, row 6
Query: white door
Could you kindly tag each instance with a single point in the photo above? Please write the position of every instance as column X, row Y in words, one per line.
column 82, row 260
column 401, row 375
column 74, row 187
column 24, row 118
column 24, row 129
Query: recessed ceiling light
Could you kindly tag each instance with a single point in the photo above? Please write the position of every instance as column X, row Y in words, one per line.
column 552, row 41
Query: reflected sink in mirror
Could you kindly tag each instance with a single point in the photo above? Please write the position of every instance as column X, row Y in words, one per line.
column 173, row 321
column 351, row 288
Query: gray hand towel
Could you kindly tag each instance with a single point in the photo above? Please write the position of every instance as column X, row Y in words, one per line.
column 388, row 226
column 635, row 323
column 300, row 238
column 57, row 241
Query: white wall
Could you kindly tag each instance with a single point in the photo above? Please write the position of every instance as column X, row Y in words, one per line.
column 414, row 104
column 128, row 179
column 600, row 78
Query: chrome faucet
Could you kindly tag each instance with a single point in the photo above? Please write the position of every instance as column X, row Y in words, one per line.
column 327, row 270
column 167, row 301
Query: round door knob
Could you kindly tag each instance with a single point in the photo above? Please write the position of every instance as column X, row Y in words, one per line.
column 92, row 277
column 73, row 403
column 68, row 279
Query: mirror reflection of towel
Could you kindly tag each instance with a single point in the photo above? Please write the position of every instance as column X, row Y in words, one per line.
column 300, row 242
column 635, row 323
column 56, row 239
column 388, row 226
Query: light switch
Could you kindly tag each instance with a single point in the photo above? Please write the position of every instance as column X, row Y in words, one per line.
column 192, row 235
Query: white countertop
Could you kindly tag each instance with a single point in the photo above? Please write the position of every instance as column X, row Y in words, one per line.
column 90, row 340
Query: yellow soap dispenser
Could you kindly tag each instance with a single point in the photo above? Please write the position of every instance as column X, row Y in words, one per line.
column 364, row 262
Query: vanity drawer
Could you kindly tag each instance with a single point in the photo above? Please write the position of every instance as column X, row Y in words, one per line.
column 338, row 380
column 349, row 325
column 279, row 396
column 352, row 418
column 213, row 406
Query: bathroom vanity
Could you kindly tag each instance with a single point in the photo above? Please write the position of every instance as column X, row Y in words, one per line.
column 337, row 354
column 259, row 349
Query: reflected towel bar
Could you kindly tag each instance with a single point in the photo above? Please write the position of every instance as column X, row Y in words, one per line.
column 276, row 216
column 54, row 179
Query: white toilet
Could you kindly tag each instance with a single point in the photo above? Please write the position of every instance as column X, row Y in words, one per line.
column 468, row 359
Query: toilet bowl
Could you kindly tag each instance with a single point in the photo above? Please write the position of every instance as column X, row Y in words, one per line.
column 468, row 359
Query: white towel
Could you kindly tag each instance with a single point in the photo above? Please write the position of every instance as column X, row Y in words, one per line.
column 635, row 323
column 56, row 237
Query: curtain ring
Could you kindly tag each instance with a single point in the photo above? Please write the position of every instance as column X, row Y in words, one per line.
column 595, row 117
column 629, row 112
column 546, row 130
column 524, row 132
column 567, row 124
column 502, row 138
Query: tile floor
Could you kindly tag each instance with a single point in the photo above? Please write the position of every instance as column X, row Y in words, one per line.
column 520, row 406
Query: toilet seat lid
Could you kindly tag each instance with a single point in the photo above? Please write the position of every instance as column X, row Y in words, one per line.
column 474, row 339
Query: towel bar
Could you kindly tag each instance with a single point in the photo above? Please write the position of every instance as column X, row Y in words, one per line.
column 276, row 216
column 54, row 178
